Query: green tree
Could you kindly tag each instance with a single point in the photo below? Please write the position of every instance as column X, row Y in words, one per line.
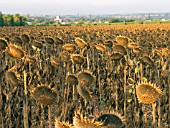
column 17, row 19
column 1, row 19
column 9, row 20
column 115, row 20
column 23, row 21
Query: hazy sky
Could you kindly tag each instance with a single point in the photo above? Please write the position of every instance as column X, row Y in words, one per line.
column 63, row 7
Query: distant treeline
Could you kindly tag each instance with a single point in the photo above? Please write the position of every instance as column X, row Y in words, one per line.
column 12, row 20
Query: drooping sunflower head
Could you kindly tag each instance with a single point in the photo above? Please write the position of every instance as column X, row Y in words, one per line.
column 3, row 44
column 11, row 78
column 79, row 121
column 100, row 47
column 115, row 56
column 85, row 77
column 112, row 120
column 65, row 56
column 62, row 124
column 25, row 38
column 69, row 47
column 108, row 43
column 80, row 42
column 122, row 40
column 37, row 44
column 44, row 95
column 72, row 79
column 77, row 59
column 49, row 40
column 138, row 50
column 148, row 60
column 147, row 93
column 17, row 40
column 119, row 48
column 15, row 51
column 58, row 40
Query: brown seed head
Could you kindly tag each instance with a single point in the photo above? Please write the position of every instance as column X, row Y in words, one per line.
column 11, row 78
column 49, row 40
column 37, row 44
column 116, row 56
column 62, row 124
column 119, row 48
column 25, row 38
column 3, row 44
column 44, row 95
column 85, row 77
column 83, row 122
column 72, row 79
column 122, row 40
column 147, row 93
column 77, row 59
column 149, row 61
column 112, row 120
column 69, row 47
column 15, row 51
column 80, row 42
column 100, row 47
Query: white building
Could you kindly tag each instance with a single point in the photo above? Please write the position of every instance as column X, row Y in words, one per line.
column 58, row 20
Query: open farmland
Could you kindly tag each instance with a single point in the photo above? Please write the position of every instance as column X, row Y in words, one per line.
column 113, row 76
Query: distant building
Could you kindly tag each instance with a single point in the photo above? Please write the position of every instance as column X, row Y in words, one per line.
column 58, row 20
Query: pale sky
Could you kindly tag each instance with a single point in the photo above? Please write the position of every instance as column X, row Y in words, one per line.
column 64, row 7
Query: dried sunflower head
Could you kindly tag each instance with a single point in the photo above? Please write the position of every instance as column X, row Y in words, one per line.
column 80, row 42
column 100, row 47
column 112, row 120
column 77, row 59
column 62, row 124
column 15, row 51
column 148, row 60
column 119, row 48
column 17, row 39
column 49, row 40
column 72, row 79
column 37, row 44
column 84, row 92
column 11, row 78
column 3, row 44
column 25, row 38
column 122, row 40
column 58, row 40
column 69, row 47
column 65, row 56
column 138, row 50
column 116, row 56
column 85, row 77
column 84, row 122
column 108, row 43
column 147, row 93
column 44, row 95
column 130, row 81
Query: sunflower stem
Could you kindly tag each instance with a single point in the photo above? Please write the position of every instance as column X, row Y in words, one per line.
column 25, row 102
column 49, row 116
column 125, row 97
column 154, row 113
